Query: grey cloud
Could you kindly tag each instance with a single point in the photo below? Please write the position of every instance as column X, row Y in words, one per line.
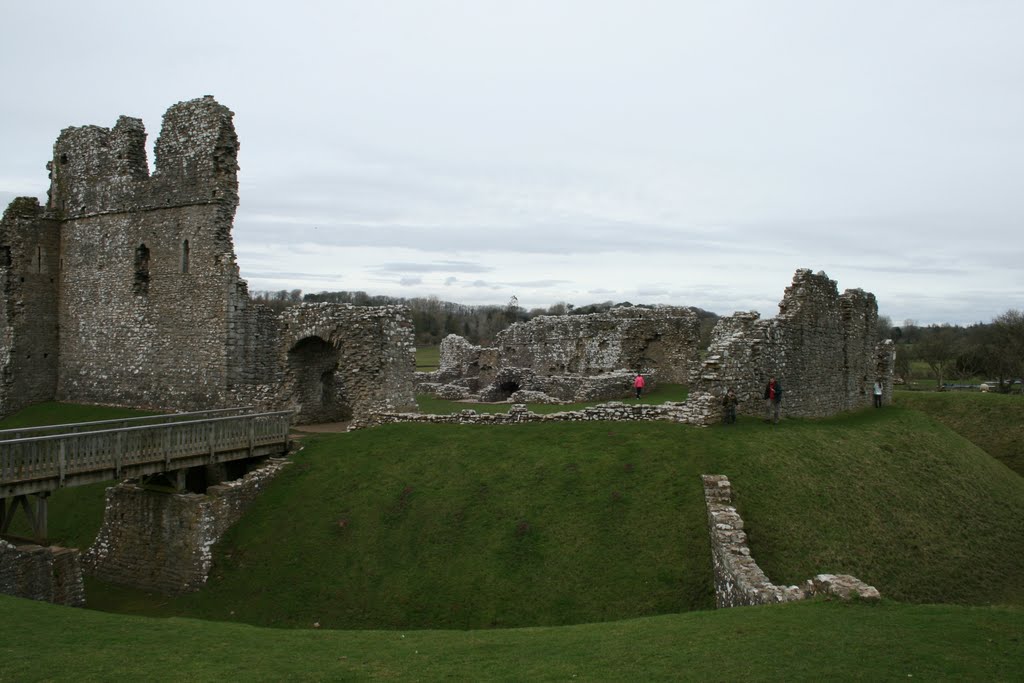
column 435, row 267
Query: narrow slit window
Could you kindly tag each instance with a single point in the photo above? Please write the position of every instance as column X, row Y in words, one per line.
column 141, row 284
column 184, row 256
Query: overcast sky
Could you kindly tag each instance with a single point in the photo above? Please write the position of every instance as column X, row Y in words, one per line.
column 691, row 153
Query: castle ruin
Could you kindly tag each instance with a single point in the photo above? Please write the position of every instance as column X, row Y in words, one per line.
column 571, row 357
column 822, row 346
column 123, row 289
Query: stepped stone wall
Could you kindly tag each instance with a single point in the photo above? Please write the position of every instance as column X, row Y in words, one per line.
column 738, row 578
column 51, row 574
column 163, row 542
column 124, row 288
column 821, row 347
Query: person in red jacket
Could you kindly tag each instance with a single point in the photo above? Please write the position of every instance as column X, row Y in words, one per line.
column 773, row 400
column 638, row 384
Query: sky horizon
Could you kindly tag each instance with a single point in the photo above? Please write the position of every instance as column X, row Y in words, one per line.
column 683, row 153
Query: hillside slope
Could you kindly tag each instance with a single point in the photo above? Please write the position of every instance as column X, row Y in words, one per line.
column 994, row 422
column 435, row 526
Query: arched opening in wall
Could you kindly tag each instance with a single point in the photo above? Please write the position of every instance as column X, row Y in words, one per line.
column 141, row 282
column 318, row 388
column 506, row 389
column 184, row 256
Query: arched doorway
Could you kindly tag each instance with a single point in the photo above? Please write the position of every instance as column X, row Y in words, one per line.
column 318, row 389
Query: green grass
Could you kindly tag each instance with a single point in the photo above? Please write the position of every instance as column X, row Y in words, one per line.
column 410, row 527
column 52, row 413
column 795, row 642
column 428, row 358
column 436, row 406
column 995, row 422
column 447, row 526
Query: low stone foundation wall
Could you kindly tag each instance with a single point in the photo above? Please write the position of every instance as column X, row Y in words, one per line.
column 692, row 411
column 163, row 541
column 738, row 579
column 51, row 574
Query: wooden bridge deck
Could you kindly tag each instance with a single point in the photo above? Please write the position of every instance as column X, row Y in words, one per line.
column 87, row 452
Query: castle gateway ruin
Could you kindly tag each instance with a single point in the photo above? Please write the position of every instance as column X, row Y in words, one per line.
column 123, row 289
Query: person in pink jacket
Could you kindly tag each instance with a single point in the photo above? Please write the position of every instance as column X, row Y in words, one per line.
column 638, row 384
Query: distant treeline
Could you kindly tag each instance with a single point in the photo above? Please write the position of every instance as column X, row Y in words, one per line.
column 991, row 351
column 434, row 319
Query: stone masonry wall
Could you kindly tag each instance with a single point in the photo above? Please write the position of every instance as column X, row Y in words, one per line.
column 738, row 578
column 29, row 267
column 626, row 338
column 125, row 290
column 342, row 361
column 51, row 574
column 147, row 261
column 163, row 542
column 821, row 347
column 687, row 412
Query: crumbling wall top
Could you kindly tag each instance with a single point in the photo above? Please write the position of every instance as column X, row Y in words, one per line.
column 98, row 170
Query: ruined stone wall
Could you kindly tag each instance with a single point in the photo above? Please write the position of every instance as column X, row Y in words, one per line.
column 29, row 267
column 624, row 338
column 51, row 574
column 738, row 579
column 691, row 411
column 342, row 361
column 162, row 541
column 124, row 289
column 821, row 347
column 147, row 261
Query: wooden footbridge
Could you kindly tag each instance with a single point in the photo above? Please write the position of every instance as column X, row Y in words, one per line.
column 35, row 461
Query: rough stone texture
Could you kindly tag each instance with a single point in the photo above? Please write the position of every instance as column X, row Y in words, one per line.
column 738, row 578
column 334, row 362
column 613, row 411
column 666, row 338
column 125, row 290
column 162, row 541
column 571, row 357
column 821, row 347
column 52, row 574
column 29, row 260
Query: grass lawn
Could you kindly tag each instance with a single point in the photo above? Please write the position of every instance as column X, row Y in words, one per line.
column 428, row 358
column 811, row 641
column 591, row 535
column 474, row 526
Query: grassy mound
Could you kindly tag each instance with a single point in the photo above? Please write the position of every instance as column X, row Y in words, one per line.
column 801, row 641
column 439, row 526
column 995, row 422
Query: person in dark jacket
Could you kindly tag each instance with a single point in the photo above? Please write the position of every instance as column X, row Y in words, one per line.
column 729, row 403
column 773, row 400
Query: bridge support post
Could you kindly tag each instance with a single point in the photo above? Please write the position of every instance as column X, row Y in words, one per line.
column 37, row 517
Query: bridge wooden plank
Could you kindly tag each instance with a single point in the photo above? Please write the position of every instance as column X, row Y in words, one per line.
column 45, row 463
